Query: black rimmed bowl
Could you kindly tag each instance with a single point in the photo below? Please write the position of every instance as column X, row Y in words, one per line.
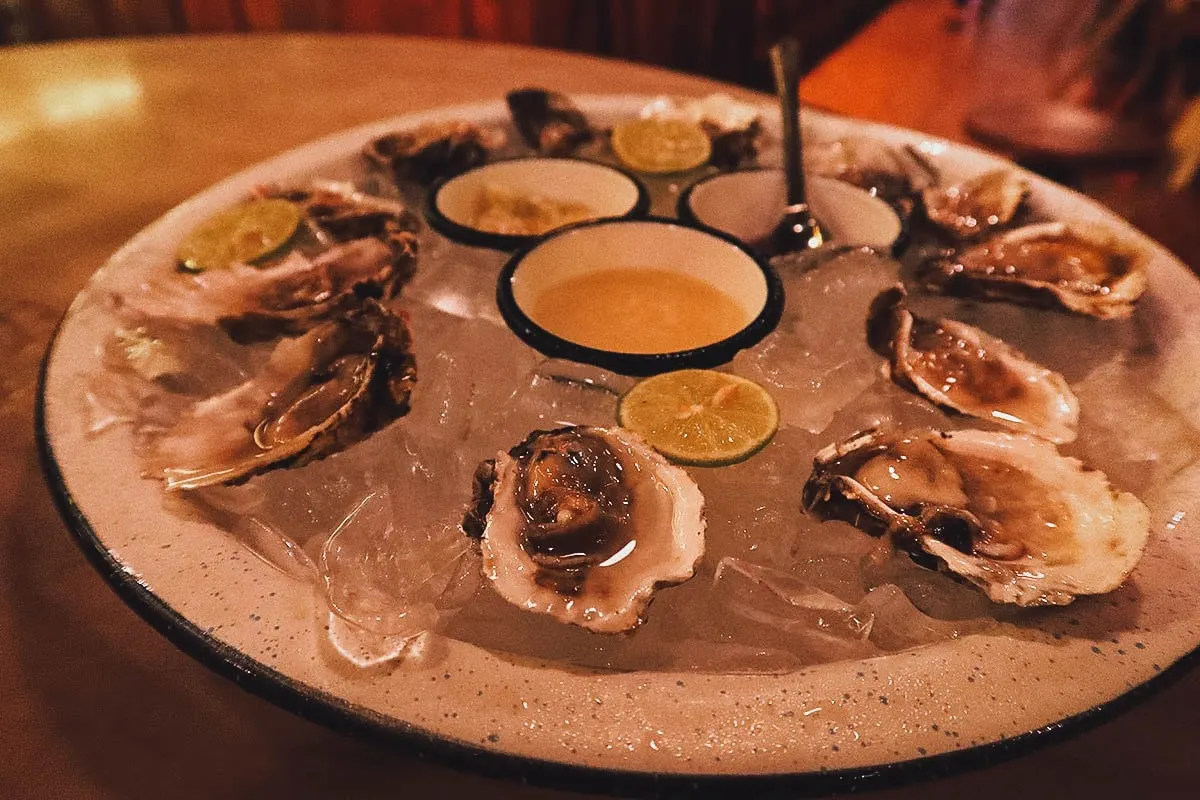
column 718, row 260
column 747, row 204
column 610, row 193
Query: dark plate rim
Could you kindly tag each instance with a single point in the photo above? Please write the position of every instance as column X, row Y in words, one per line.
column 325, row 709
column 507, row 242
column 635, row 364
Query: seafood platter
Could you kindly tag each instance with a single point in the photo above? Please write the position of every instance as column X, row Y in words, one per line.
column 503, row 431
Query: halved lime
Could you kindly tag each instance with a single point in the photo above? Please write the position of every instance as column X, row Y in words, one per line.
column 245, row 233
column 660, row 146
column 701, row 417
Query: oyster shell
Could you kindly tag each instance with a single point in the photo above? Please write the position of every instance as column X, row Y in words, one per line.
column 584, row 524
column 977, row 207
column 257, row 304
column 431, row 151
column 1077, row 267
column 869, row 164
column 341, row 213
column 961, row 368
column 1004, row 511
column 548, row 121
column 316, row 395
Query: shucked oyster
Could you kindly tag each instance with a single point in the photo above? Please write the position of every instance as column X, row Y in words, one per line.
column 1006, row 512
column 316, row 395
column 962, row 368
column 1077, row 267
column 976, row 207
column 548, row 121
column 254, row 304
column 432, row 151
column 340, row 213
column 872, row 165
column 584, row 524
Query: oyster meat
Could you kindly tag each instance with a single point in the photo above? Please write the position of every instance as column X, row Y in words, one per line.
column 317, row 394
column 432, row 151
column 977, row 207
column 1006, row 512
column 961, row 368
column 1080, row 268
column 733, row 128
column 548, row 121
column 584, row 524
column 872, row 165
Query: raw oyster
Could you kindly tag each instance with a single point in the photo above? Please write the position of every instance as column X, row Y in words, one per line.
column 340, row 213
column 1004, row 511
column 433, row 150
column 869, row 164
column 961, row 368
column 290, row 297
column 316, row 395
column 584, row 524
column 548, row 121
column 733, row 128
column 1077, row 267
column 976, row 207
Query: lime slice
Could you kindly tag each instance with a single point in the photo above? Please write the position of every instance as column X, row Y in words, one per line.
column 660, row 146
column 701, row 417
column 245, row 233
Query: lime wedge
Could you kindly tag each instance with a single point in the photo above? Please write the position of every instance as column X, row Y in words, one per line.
column 245, row 233
column 660, row 146
column 701, row 417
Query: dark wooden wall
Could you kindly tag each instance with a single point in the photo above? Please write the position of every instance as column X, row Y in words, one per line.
column 725, row 39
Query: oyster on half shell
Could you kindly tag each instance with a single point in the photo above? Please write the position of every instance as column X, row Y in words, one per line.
column 585, row 524
column 961, row 368
column 1006, row 512
column 548, row 121
column 1077, row 267
column 290, row 297
column 317, row 394
column 976, row 207
column 433, row 150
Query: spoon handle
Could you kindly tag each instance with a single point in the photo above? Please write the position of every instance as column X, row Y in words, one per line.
column 785, row 64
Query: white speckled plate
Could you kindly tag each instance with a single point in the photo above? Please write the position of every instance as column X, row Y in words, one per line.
column 903, row 715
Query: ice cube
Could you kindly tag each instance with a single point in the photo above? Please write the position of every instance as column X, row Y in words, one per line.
column 389, row 577
column 365, row 649
column 817, row 359
column 809, row 618
column 456, row 279
column 245, row 512
column 1130, row 429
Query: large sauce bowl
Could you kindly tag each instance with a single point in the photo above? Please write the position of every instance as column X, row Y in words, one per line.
column 718, row 261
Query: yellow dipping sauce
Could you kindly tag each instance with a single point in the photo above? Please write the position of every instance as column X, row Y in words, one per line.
column 638, row 310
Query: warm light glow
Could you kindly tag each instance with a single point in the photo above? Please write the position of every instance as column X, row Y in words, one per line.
column 9, row 131
column 70, row 101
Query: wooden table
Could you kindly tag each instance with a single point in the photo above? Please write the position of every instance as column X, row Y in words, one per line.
column 98, row 139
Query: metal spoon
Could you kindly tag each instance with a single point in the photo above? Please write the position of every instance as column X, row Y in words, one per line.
column 798, row 230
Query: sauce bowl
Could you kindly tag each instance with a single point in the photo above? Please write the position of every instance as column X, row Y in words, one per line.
column 716, row 259
column 748, row 203
column 607, row 191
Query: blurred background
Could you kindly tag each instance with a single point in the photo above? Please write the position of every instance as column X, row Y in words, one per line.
column 1098, row 94
column 725, row 39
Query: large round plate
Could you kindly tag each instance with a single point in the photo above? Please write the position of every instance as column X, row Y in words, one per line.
column 912, row 713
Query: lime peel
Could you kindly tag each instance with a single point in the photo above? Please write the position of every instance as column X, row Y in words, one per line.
column 661, row 146
column 245, row 233
column 701, row 417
